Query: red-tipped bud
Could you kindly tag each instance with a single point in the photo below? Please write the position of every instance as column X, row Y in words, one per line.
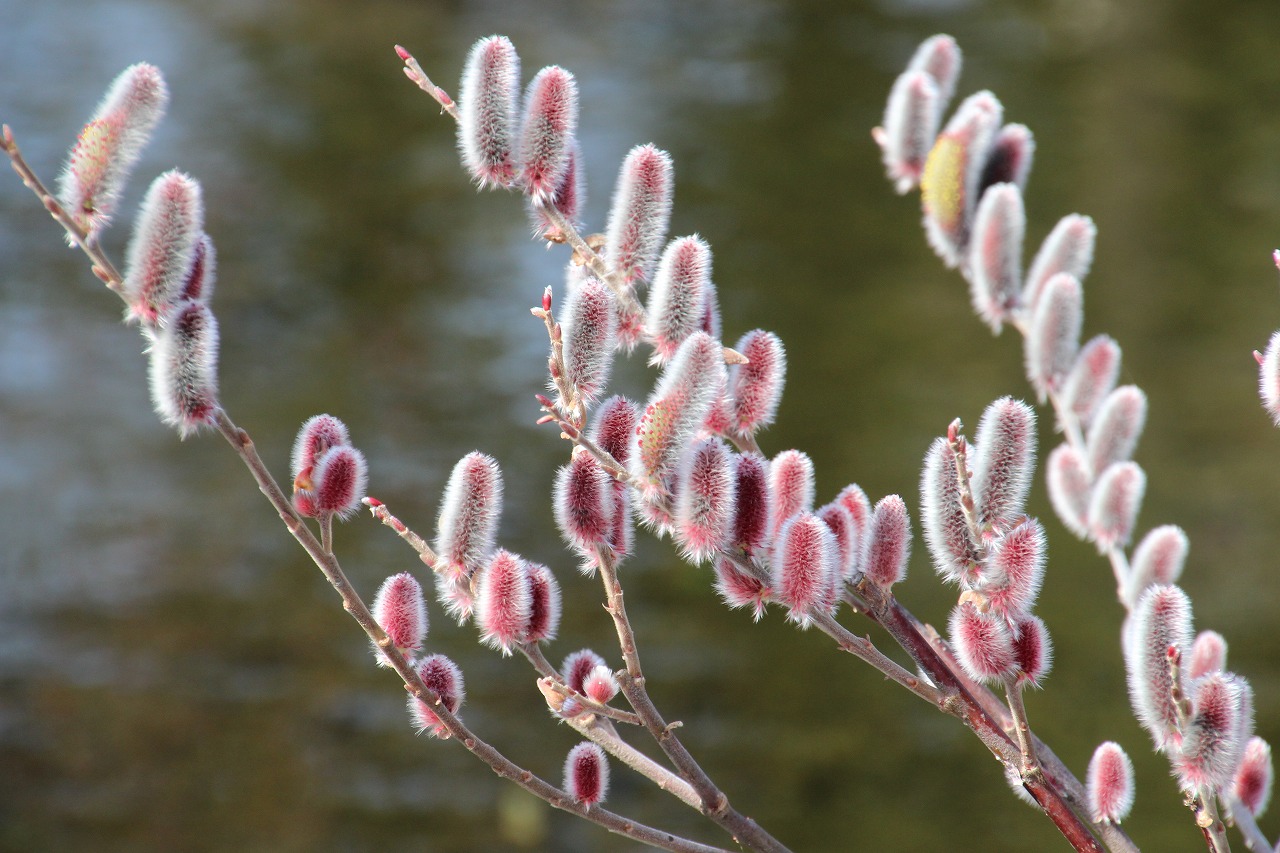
column 1053, row 338
column 983, row 643
column 1113, row 509
column 952, row 177
column 590, row 336
column 946, row 531
column 840, row 520
column 1161, row 621
column 854, row 499
column 583, row 500
column 469, row 514
column 910, row 127
column 1253, row 779
column 487, row 103
column 586, row 774
column 184, row 368
column 1091, row 378
column 109, row 146
column 1213, row 744
column 790, row 486
column 689, row 385
column 1109, row 784
column 401, row 611
column 639, row 213
column 442, row 677
column 568, row 199
column 577, row 666
column 504, row 602
column 170, row 225
column 756, row 387
column 806, row 564
column 1208, row 654
column 1069, row 486
column 1269, row 378
column 1032, row 650
column 995, row 254
column 706, row 497
column 678, row 296
column 754, row 504
column 339, row 479
column 318, row 434
column 1115, row 431
column 547, row 132
column 739, row 589
column 890, row 542
column 1010, row 159
column 544, row 605
column 1003, row 462
column 1068, row 249
column 202, row 273
column 600, row 684
column 1158, row 559
column 1014, row 569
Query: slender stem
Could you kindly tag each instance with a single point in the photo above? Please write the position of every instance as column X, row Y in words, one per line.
column 1244, row 821
column 1021, row 728
column 379, row 511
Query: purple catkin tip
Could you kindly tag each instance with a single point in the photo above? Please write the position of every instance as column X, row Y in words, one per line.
column 951, row 181
column 678, row 296
column 339, row 479
column 170, row 225
column 840, row 521
column 590, row 336
column 946, row 531
column 983, row 643
column 600, row 684
column 583, row 502
column 639, row 213
column 1114, row 506
column 753, row 505
column 1053, row 337
column 1208, row 654
column 1217, row 733
column 1109, row 784
column 504, row 601
column 1254, row 777
column 791, row 487
column 739, row 589
column 1161, row 620
column 890, row 542
column 805, row 564
column 544, row 605
column 586, row 774
column 318, row 434
column 1032, row 650
column 1068, row 249
column 469, row 514
column 1158, row 559
column 547, row 132
column 184, row 368
column 487, row 104
column 401, row 611
column 576, row 666
column 995, row 254
column 1115, row 430
column 1003, row 462
column 442, row 677
column 706, row 497
column 1091, row 379
column 1269, row 378
column 1014, row 569
column 756, row 387
column 1069, row 486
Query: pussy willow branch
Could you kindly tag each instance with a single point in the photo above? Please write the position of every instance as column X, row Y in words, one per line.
column 1244, row 821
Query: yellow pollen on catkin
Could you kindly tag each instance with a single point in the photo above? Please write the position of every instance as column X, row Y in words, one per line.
column 942, row 182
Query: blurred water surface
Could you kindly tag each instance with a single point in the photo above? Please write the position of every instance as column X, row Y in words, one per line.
column 175, row 675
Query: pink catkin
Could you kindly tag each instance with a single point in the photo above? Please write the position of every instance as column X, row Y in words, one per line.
column 1114, row 506
column 1109, row 784
column 583, row 502
column 169, row 227
column 755, row 388
column 1254, row 777
column 1069, row 485
column 678, row 296
column 952, row 177
column 946, row 530
column 1208, row 654
column 1068, row 249
column 569, row 197
column 1161, row 620
column 487, row 103
column 576, row 666
column 1010, row 158
column 1158, row 559
column 544, row 605
column 1091, row 378
column 1003, row 461
column 983, row 643
column 1216, row 734
column 600, row 684
column 995, row 254
column 939, row 56
column 639, row 213
column 443, row 677
column 791, row 487
column 1032, row 650
column 753, row 503
column 854, row 499
column 739, row 589
column 909, row 127
column 1115, row 430
column 339, row 478
column 1269, row 378
column 890, row 542
column 706, row 497
column 590, row 336
column 1014, row 569
column 401, row 612
column 805, row 564
column 504, row 602
column 840, row 522
column 547, row 132
column 469, row 514
column 201, row 275
column 586, row 774
column 184, row 368
column 1053, row 337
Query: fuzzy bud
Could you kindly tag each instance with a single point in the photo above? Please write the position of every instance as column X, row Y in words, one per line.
column 939, row 57
column 854, row 499
column 1053, row 338
column 504, row 601
column 544, row 605
column 577, row 666
column 1091, row 378
column 983, row 643
column 1014, row 569
column 584, row 504
column 614, row 426
column 1254, row 776
column 639, row 213
column 568, row 199
column 1068, row 249
column 739, row 589
column 170, row 225
column 753, row 505
column 1213, row 744
column 756, row 387
column 1003, row 462
column 995, row 254
column 706, row 498
column 442, row 677
column 1269, row 378
column 590, row 337
column 487, row 102
column 1069, row 487
column 547, row 132
column 1208, row 654
column 401, row 611
column 1158, row 559
column 1109, row 784
column 600, row 684
column 840, row 520
column 952, row 177
column 1032, row 650
column 1113, row 509
column 586, row 774
column 806, row 562
column 339, row 479
column 678, row 295
column 318, row 434
column 202, row 273
column 1161, row 621
column 184, row 368
column 946, row 531
column 909, row 128
column 1116, row 428
column 790, row 486
column 469, row 514
column 1010, row 159
column 890, row 542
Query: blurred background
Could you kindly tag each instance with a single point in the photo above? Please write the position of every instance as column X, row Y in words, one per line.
column 175, row 674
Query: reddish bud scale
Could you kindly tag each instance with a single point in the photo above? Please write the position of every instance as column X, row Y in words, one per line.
column 790, row 487
column 639, row 213
column 1254, row 777
column 504, row 602
column 995, row 254
column 983, row 643
column 1212, row 745
column 586, row 774
column 547, row 132
column 184, row 368
column 946, row 531
column 1003, row 462
column 754, row 505
column 544, row 605
column 469, row 515
column 339, row 478
column 706, row 497
column 487, row 103
column 1208, row 654
column 1053, row 337
column 1115, row 430
column 1091, row 379
column 1068, row 249
column 854, row 499
column 441, row 676
column 756, row 387
column 805, row 564
column 678, row 295
column 739, row 589
column 202, row 273
column 840, row 521
column 1113, row 509
column 1158, row 559
column 890, row 542
column 576, row 666
column 600, row 684
column 1014, row 569
column 109, row 146
column 1010, row 159
column 951, row 180
column 590, row 336
column 1109, row 784
column 1069, row 486
column 1269, row 378
column 169, row 227
column 1160, row 621
column 583, row 501
column 909, row 128
column 1032, row 650
column 568, row 199
column 401, row 611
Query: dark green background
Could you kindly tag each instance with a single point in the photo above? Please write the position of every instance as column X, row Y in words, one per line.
column 175, row 675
